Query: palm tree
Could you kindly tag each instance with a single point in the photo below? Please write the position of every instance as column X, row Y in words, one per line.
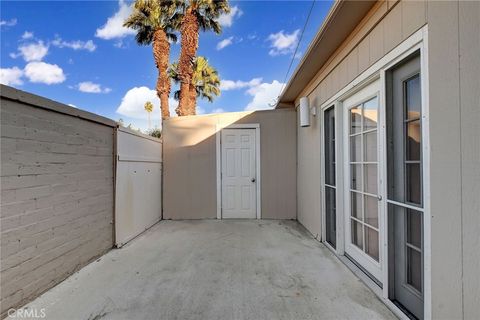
column 149, row 108
column 205, row 81
column 152, row 19
column 194, row 15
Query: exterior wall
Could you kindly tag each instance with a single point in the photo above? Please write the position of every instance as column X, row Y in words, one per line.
column 57, row 193
column 453, row 51
column 384, row 27
column 190, row 187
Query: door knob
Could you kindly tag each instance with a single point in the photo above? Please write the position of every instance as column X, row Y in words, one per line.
column 379, row 197
column 253, row 180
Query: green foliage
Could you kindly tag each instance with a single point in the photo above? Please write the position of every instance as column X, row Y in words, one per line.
column 151, row 15
column 157, row 133
column 205, row 78
column 206, row 11
column 148, row 106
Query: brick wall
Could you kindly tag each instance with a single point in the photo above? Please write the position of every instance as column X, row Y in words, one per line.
column 56, row 193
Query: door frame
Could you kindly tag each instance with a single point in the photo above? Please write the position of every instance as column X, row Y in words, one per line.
column 418, row 41
column 218, row 134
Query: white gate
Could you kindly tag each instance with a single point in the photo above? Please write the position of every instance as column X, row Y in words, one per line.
column 138, row 182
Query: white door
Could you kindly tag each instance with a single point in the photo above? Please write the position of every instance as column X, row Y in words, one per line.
column 363, row 223
column 239, row 187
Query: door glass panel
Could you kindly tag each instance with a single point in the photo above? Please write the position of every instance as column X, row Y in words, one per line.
column 371, row 211
column 363, row 177
column 414, row 268
column 356, row 177
column 371, row 243
column 357, row 234
column 330, row 216
column 370, row 140
column 370, row 177
column 414, row 228
column 413, row 183
column 356, row 148
column 356, row 205
column 355, row 120
column 370, row 114
column 330, row 191
column 413, row 101
column 414, row 135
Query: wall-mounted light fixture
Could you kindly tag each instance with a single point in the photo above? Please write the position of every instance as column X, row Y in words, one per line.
column 304, row 112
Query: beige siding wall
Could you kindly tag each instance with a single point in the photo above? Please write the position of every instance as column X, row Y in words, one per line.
column 385, row 26
column 190, row 187
column 454, row 104
column 57, row 196
column 469, row 46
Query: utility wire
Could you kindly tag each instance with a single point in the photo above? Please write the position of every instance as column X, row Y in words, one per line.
column 296, row 49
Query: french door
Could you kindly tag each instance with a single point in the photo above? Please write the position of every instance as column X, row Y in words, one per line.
column 363, row 202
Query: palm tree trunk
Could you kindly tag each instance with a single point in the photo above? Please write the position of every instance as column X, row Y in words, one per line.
column 161, row 53
column 192, row 99
column 189, row 43
column 149, row 124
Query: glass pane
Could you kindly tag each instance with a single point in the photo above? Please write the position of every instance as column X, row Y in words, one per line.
column 413, row 183
column 355, row 149
column 356, row 177
column 413, row 97
column 414, row 137
column 356, row 204
column 370, row 141
column 370, row 114
column 370, row 177
column 330, row 216
column 414, row 228
column 355, row 120
column 330, row 147
column 371, row 211
column 371, row 243
column 357, row 234
column 414, row 268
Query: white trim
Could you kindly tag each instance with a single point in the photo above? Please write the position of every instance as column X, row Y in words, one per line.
column 427, row 256
column 219, row 129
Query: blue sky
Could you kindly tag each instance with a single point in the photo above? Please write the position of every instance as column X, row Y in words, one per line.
column 78, row 53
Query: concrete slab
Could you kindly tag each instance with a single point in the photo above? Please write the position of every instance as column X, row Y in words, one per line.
column 212, row 269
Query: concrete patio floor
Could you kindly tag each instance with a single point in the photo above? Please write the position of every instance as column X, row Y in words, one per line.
column 209, row 269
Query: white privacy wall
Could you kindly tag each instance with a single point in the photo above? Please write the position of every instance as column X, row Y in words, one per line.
column 138, row 184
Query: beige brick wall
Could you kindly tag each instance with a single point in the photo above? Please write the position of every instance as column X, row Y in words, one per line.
column 56, row 194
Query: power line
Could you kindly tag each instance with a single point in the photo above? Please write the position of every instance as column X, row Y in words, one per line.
column 296, row 48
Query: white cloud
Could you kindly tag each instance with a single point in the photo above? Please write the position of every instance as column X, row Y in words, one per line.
column 226, row 85
column 133, row 103
column 75, row 45
column 90, row 87
column 283, row 43
column 9, row 23
column 264, row 95
column 114, row 28
column 72, row 105
column 226, row 19
column 27, row 35
column 218, row 110
column 224, row 43
column 31, row 52
column 11, row 76
column 41, row 72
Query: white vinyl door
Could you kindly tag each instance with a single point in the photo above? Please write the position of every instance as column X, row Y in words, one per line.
column 363, row 223
column 239, row 187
